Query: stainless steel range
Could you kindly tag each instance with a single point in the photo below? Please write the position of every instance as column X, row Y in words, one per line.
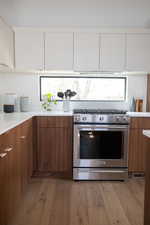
column 100, row 144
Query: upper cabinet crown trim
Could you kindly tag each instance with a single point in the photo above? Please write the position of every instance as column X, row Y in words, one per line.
column 85, row 29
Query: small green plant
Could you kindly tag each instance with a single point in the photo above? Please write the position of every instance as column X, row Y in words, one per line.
column 48, row 100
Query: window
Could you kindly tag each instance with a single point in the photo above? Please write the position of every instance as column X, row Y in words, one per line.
column 87, row 88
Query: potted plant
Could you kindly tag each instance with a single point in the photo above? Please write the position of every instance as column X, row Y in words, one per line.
column 48, row 101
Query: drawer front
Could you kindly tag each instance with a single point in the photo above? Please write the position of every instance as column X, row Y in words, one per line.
column 8, row 141
column 55, row 121
column 140, row 123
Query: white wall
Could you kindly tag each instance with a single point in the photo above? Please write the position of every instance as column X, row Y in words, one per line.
column 28, row 84
column 127, row 13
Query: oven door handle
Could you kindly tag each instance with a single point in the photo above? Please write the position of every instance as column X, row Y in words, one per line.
column 103, row 129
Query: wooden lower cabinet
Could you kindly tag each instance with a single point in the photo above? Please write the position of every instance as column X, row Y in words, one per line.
column 26, row 153
column 55, row 145
column 14, row 167
column 137, row 148
column 3, row 188
column 147, row 184
column 137, row 144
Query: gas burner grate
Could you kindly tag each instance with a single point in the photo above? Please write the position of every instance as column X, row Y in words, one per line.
column 99, row 111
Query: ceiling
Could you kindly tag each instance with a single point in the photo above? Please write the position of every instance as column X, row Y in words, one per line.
column 111, row 13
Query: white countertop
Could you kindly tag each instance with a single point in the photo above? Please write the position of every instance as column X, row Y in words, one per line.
column 52, row 113
column 138, row 114
column 11, row 120
column 146, row 133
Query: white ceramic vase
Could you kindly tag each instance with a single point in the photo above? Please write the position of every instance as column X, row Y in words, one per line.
column 66, row 105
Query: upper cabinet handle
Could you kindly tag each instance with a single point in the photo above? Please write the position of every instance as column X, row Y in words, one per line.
column 2, row 155
column 23, row 137
column 8, row 149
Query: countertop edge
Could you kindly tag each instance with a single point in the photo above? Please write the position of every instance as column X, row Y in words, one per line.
column 146, row 133
column 138, row 114
column 10, row 121
column 15, row 124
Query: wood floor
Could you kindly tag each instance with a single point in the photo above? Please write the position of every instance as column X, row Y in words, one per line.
column 61, row 202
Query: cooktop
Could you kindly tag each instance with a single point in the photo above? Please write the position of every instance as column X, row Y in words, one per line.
column 99, row 111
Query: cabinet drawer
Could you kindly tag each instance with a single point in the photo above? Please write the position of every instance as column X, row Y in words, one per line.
column 140, row 123
column 55, row 121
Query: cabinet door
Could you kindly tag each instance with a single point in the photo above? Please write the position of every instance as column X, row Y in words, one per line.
column 112, row 52
column 137, row 146
column 29, row 49
column 30, row 150
column 138, row 52
column 6, row 47
column 3, row 187
column 55, row 144
column 13, row 172
column 59, row 51
column 86, row 55
column 25, row 139
column 55, row 149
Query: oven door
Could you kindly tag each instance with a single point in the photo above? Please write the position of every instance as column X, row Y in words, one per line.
column 100, row 146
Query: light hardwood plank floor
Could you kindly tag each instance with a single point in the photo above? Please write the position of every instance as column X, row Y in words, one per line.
column 62, row 202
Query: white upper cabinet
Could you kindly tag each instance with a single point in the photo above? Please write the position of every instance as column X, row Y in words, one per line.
column 138, row 52
column 86, row 52
column 6, row 47
column 58, row 51
column 29, row 49
column 112, row 52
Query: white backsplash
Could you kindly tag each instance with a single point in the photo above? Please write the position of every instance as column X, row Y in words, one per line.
column 28, row 85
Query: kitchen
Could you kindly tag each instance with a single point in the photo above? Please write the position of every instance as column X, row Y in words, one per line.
column 75, row 108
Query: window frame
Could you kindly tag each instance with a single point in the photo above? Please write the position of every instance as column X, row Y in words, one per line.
column 94, row 77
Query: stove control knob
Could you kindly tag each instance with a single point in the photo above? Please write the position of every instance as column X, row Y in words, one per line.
column 125, row 119
column 118, row 118
column 101, row 118
column 77, row 118
column 84, row 118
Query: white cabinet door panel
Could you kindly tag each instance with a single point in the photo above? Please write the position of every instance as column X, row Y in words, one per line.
column 29, row 49
column 59, row 51
column 112, row 52
column 6, row 46
column 138, row 52
column 86, row 49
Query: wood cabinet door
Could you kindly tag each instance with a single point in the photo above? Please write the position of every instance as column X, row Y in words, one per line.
column 29, row 50
column 30, row 151
column 3, row 186
column 138, row 52
column 25, row 143
column 137, row 146
column 14, row 169
column 112, row 52
column 86, row 51
column 58, row 51
column 10, row 146
column 147, row 185
column 55, row 149
column 55, row 144
column 10, row 182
